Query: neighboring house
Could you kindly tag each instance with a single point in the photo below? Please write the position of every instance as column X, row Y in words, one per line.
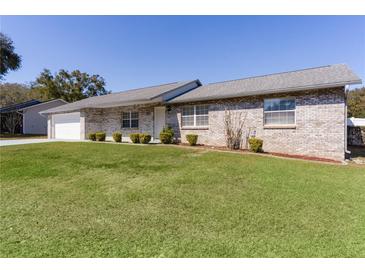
column 31, row 121
column 13, row 111
column 300, row 112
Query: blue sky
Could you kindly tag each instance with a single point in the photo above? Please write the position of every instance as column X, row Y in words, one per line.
column 137, row 51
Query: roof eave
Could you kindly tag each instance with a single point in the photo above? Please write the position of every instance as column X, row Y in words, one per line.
column 102, row 106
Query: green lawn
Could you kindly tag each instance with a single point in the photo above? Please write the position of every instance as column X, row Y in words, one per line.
column 9, row 136
column 107, row 200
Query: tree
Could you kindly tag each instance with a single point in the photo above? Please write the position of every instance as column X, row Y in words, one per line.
column 9, row 60
column 12, row 120
column 234, row 125
column 13, row 93
column 70, row 86
column 356, row 103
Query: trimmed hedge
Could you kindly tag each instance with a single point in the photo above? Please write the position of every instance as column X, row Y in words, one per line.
column 192, row 139
column 169, row 130
column 100, row 136
column 256, row 144
column 165, row 138
column 144, row 138
column 134, row 138
column 117, row 136
column 167, row 135
column 91, row 136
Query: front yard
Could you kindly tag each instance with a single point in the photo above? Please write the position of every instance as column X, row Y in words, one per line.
column 108, row 200
column 9, row 136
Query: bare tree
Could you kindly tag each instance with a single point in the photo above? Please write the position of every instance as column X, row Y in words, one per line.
column 234, row 123
column 12, row 120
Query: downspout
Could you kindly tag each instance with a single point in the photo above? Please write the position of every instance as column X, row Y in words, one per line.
column 347, row 152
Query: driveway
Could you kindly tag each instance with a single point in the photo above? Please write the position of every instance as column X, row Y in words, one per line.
column 23, row 141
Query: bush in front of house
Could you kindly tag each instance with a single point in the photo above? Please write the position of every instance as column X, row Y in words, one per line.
column 144, row 138
column 192, row 139
column 100, row 136
column 255, row 144
column 167, row 135
column 134, row 138
column 91, row 136
column 117, row 136
column 165, row 138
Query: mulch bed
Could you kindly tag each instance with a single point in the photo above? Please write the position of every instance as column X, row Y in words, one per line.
column 284, row 155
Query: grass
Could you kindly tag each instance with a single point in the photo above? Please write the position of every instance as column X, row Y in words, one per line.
column 9, row 136
column 106, row 200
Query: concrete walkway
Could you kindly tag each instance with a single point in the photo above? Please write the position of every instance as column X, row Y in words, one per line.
column 23, row 142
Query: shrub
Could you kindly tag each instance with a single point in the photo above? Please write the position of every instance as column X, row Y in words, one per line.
column 255, row 144
column 100, row 136
column 234, row 122
column 134, row 138
column 192, row 139
column 169, row 130
column 167, row 135
column 144, row 138
column 117, row 136
column 91, row 136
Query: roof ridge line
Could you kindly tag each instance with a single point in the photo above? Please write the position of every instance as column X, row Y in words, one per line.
column 269, row 74
column 145, row 87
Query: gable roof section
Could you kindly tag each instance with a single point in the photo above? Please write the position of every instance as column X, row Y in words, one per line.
column 312, row 78
column 135, row 96
column 44, row 103
column 19, row 106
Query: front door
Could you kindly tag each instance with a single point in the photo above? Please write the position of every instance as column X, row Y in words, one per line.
column 159, row 121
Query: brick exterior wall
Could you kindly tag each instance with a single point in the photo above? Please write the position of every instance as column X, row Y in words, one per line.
column 110, row 120
column 319, row 131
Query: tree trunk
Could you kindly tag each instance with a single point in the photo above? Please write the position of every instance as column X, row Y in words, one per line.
column 12, row 121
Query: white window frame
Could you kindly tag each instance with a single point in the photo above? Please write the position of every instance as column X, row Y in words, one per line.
column 130, row 119
column 276, row 111
column 194, row 115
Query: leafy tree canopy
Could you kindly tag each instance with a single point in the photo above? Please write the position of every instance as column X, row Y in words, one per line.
column 12, row 93
column 70, row 86
column 9, row 60
column 356, row 103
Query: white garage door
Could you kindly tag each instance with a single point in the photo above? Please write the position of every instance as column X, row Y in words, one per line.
column 67, row 126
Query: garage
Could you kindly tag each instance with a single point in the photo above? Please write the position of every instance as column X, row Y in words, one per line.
column 67, row 126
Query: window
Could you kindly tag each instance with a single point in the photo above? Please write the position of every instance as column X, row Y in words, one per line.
column 130, row 120
column 279, row 111
column 195, row 116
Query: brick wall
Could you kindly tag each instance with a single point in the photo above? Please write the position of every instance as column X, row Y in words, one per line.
column 110, row 120
column 319, row 130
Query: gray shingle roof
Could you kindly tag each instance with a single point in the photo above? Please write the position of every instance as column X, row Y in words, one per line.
column 134, row 96
column 313, row 78
column 19, row 106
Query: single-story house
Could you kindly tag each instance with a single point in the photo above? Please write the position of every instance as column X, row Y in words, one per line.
column 299, row 112
column 27, row 116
